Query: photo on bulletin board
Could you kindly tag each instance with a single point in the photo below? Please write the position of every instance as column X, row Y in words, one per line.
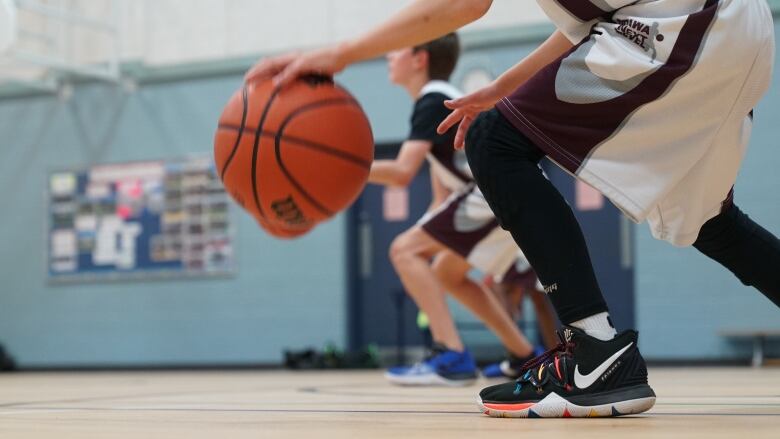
column 139, row 220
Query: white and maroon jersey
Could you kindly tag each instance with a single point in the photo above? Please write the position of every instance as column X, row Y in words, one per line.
column 447, row 164
column 652, row 105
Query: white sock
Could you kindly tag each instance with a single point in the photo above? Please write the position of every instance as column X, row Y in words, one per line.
column 597, row 326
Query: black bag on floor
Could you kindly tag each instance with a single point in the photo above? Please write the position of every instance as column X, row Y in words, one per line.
column 6, row 362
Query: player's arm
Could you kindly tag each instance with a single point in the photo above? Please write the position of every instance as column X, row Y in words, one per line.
column 439, row 192
column 552, row 49
column 428, row 112
column 468, row 107
column 401, row 170
column 417, row 23
column 421, row 21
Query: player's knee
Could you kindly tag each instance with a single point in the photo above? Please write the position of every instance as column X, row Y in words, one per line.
column 445, row 275
column 741, row 245
column 400, row 250
column 724, row 231
column 448, row 271
column 396, row 248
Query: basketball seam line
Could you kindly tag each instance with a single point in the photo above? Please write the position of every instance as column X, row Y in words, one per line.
column 244, row 98
column 255, row 150
column 277, row 148
column 305, row 143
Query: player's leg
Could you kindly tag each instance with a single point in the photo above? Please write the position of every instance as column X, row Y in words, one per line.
column 505, row 294
column 469, row 229
column 515, row 294
column 510, row 294
column 505, row 165
column 545, row 316
column 744, row 247
column 523, row 278
column 452, row 270
column 449, row 363
column 511, row 290
column 410, row 254
column 592, row 372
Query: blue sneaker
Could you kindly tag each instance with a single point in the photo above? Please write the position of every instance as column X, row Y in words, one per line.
column 511, row 367
column 442, row 367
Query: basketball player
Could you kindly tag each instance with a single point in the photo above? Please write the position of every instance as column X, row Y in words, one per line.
column 458, row 232
column 511, row 289
column 650, row 102
column 514, row 286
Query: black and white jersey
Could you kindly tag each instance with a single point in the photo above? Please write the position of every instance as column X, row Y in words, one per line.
column 447, row 164
column 464, row 223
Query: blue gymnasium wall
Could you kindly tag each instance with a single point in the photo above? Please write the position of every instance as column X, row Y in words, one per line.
column 285, row 294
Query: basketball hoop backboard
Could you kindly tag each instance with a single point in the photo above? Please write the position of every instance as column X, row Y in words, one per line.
column 7, row 24
column 45, row 48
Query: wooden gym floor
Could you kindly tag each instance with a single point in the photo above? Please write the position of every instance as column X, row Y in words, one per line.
column 734, row 403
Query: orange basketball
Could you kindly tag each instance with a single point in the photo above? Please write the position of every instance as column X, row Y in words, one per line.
column 295, row 156
column 282, row 232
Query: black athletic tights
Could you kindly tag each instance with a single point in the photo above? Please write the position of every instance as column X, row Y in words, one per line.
column 505, row 166
column 751, row 252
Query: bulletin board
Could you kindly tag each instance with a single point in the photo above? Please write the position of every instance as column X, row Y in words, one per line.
column 138, row 220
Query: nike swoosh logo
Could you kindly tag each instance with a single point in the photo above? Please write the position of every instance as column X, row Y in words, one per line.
column 584, row 381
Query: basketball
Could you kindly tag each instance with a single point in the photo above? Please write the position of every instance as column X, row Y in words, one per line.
column 295, row 156
column 279, row 231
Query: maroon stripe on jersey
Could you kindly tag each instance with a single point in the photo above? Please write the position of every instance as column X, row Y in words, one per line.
column 568, row 132
column 582, row 9
column 442, row 228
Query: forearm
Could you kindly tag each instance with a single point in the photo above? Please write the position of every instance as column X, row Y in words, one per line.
column 420, row 22
column 389, row 173
column 555, row 46
column 439, row 192
column 436, row 202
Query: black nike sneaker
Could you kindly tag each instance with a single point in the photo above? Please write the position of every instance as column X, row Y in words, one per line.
column 511, row 367
column 581, row 377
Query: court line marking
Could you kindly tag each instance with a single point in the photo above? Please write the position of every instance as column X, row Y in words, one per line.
column 333, row 389
column 181, row 393
column 134, row 396
column 227, row 410
column 393, row 395
column 320, row 411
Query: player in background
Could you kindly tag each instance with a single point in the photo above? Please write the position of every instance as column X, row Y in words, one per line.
column 517, row 284
column 458, row 232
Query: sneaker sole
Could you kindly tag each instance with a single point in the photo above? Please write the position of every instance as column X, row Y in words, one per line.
column 625, row 402
column 428, row 380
